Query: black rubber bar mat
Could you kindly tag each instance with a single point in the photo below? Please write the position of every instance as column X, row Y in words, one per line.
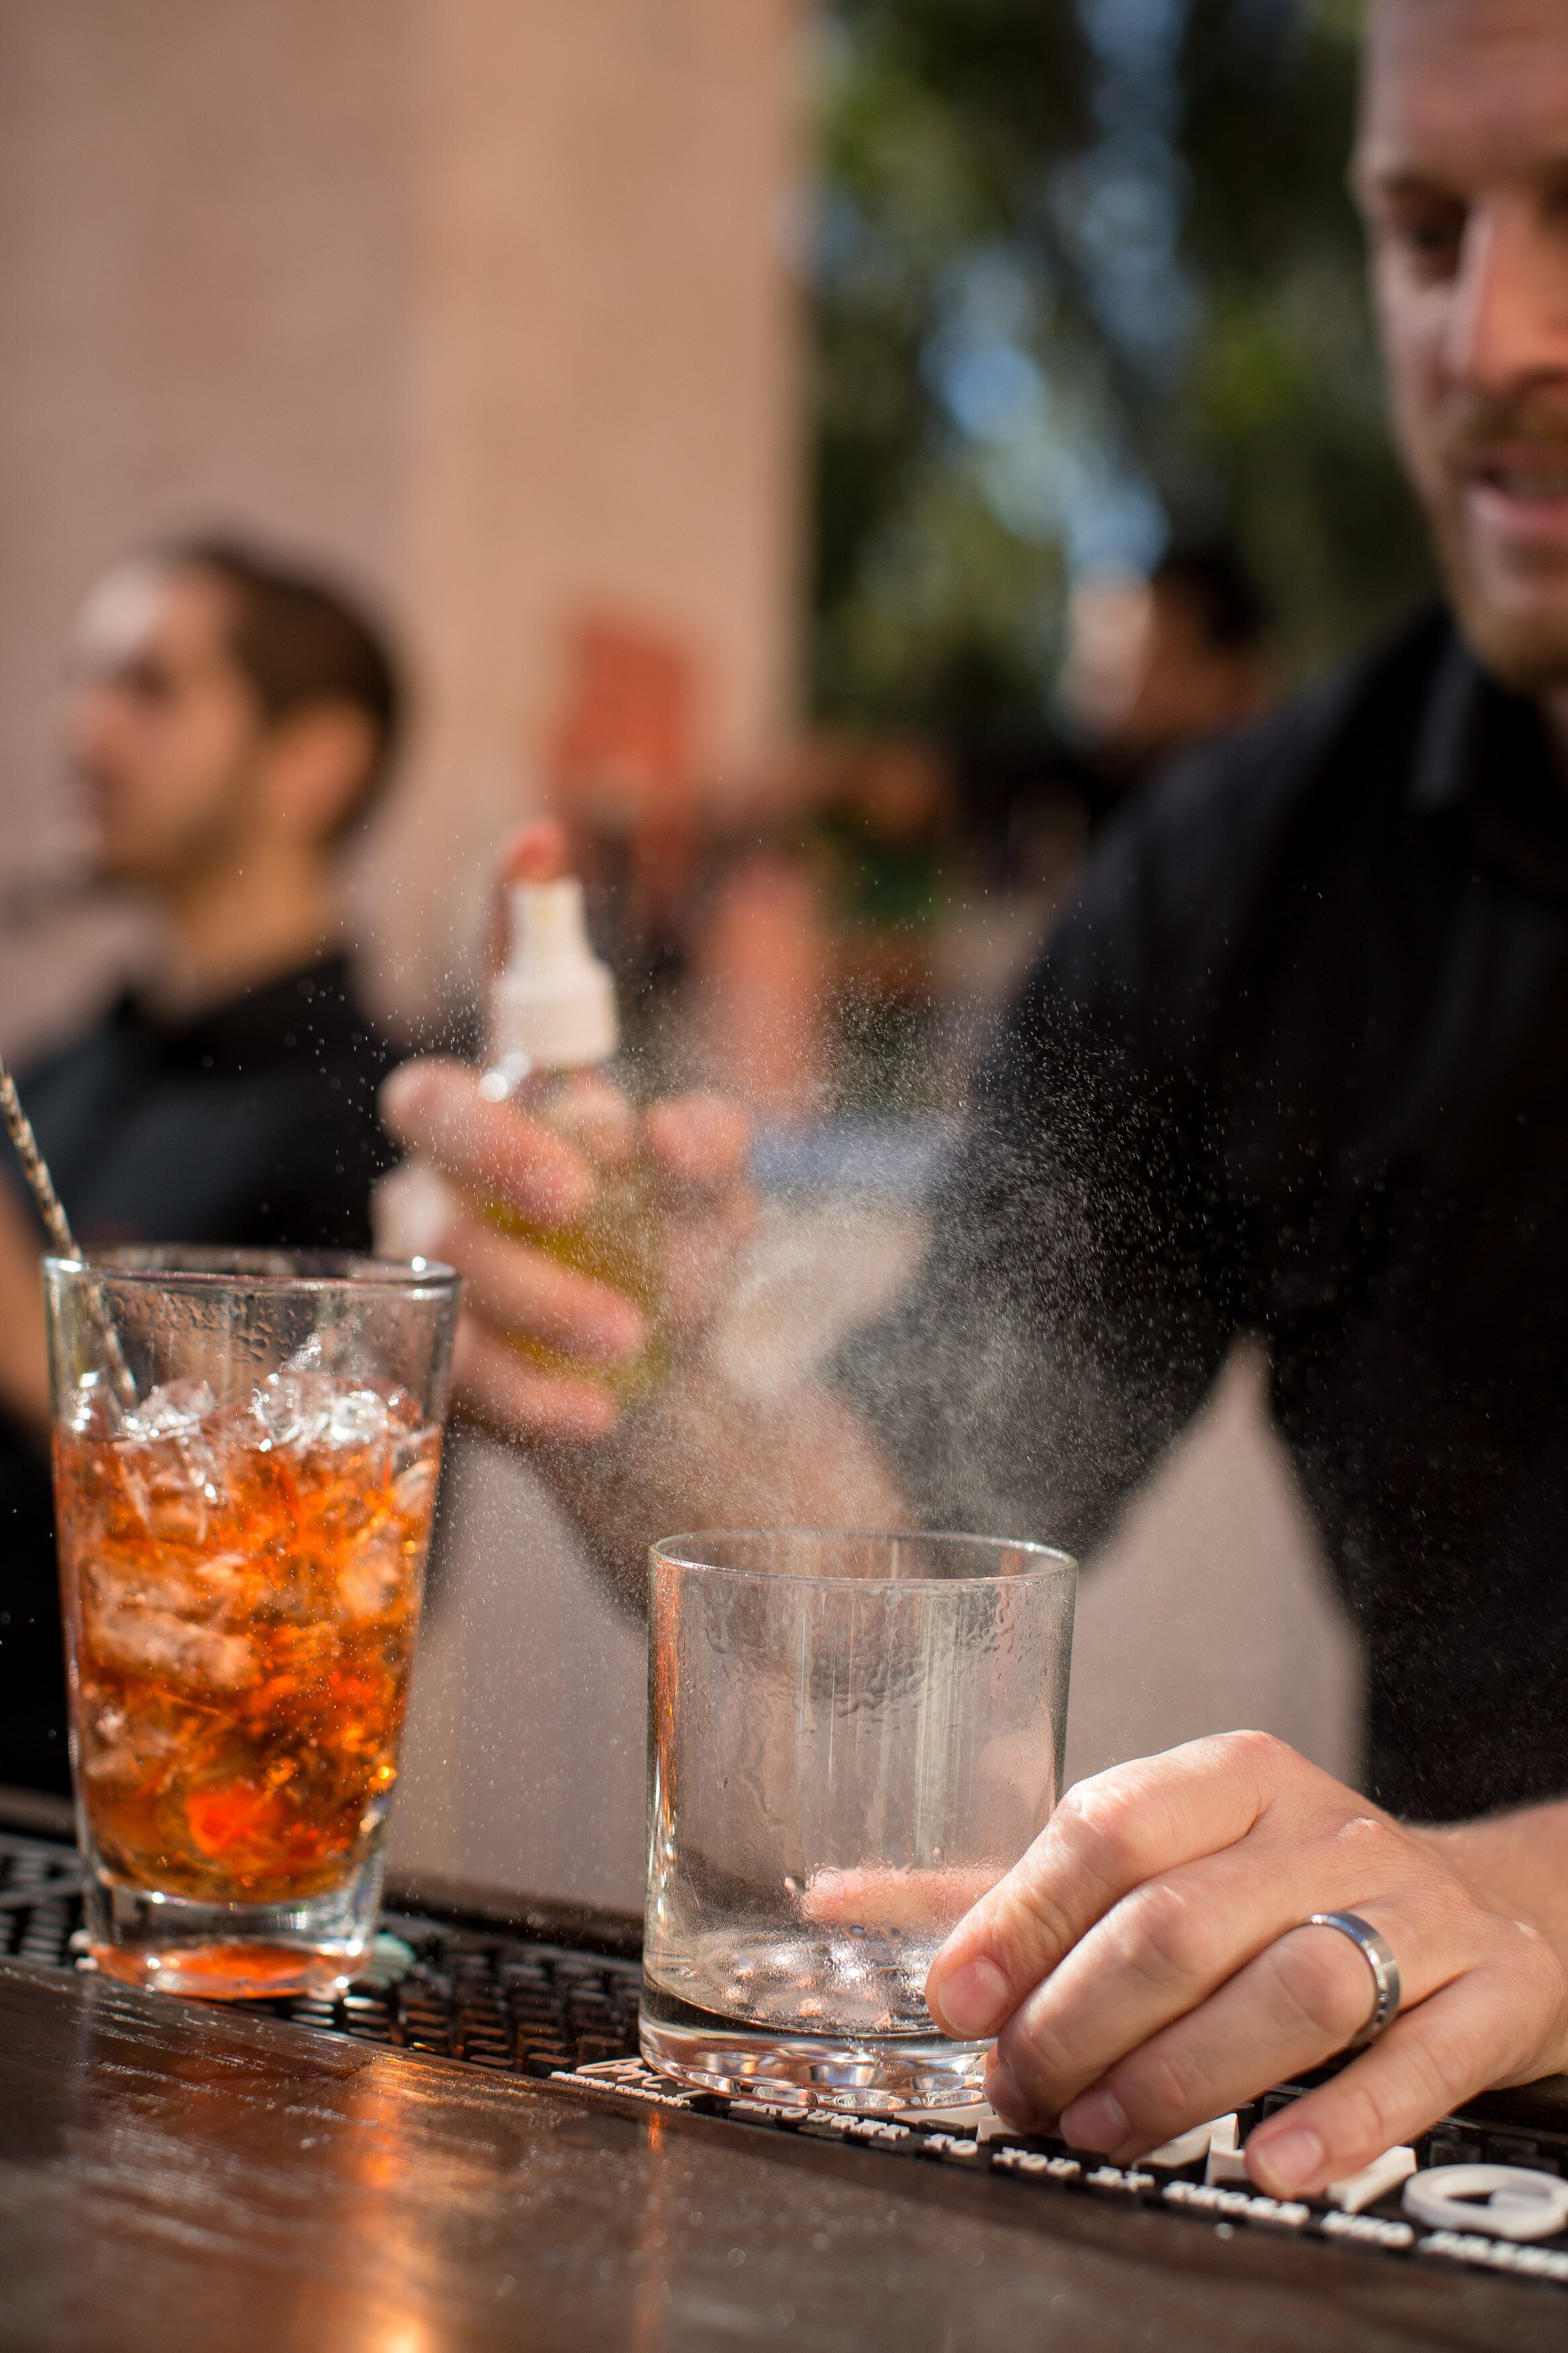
column 519, row 2004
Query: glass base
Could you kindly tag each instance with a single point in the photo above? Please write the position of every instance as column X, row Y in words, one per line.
column 231, row 1952
column 869, row 2073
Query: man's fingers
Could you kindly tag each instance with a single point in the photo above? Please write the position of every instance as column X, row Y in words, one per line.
column 911, row 1900
column 1304, row 1997
column 517, row 1289
column 1171, row 1943
column 597, row 1119
column 1481, row 2030
column 435, row 1107
column 698, row 1142
column 499, row 1387
column 1107, row 1836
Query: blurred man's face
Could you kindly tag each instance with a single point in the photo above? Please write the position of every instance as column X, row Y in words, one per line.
column 1462, row 172
column 1142, row 676
column 165, row 732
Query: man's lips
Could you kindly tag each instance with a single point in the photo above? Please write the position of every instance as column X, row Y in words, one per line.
column 1519, row 494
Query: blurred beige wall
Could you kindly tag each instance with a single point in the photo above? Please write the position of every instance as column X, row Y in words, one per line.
column 490, row 304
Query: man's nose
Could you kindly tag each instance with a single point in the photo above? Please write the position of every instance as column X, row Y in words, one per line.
column 1508, row 323
column 93, row 723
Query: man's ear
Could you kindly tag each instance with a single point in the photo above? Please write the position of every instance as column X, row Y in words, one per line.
column 318, row 759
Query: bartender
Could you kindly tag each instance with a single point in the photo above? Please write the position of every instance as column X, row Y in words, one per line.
column 1299, row 1064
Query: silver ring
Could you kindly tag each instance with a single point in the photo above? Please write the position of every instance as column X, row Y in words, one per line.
column 1376, row 1953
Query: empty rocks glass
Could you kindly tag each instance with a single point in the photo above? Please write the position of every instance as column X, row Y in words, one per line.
column 852, row 1738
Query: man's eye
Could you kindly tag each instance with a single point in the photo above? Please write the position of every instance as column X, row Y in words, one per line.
column 148, row 681
column 1430, row 241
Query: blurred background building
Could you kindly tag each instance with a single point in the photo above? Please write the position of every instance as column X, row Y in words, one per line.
column 493, row 307
column 785, row 440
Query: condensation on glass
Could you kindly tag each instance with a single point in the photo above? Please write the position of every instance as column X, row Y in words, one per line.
column 242, row 1551
column 851, row 1737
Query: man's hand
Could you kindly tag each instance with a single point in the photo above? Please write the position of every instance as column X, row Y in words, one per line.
column 694, row 1454
column 490, row 1151
column 1144, row 1965
column 493, row 1151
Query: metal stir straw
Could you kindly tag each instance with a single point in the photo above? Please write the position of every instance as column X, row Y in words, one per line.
column 56, row 1225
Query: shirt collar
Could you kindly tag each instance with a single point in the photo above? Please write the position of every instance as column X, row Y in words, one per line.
column 1445, row 768
column 1483, row 754
column 268, row 1022
column 1474, row 735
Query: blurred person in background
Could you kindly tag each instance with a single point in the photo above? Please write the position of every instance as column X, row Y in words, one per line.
column 1153, row 665
column 233, row 722
column 1295, row 1064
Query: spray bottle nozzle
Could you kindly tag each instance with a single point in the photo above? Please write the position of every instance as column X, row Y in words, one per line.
column 553, row 1003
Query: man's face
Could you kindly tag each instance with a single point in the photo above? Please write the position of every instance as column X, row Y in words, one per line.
column 1462, row 173
column 164, row 731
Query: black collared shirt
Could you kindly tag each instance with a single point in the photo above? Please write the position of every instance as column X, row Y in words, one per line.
column 1297, row 1063
column 252, row 1123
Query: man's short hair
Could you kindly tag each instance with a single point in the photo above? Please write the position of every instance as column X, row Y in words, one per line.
column 298, row 639
column 1231, row 609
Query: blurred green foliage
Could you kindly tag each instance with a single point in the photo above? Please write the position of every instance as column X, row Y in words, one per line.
column 1084, row 274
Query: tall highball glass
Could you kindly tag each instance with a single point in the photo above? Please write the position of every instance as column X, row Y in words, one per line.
column 242, row 1550
column 851, row 1737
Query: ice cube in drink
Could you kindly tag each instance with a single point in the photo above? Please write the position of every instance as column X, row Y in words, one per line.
column 242, row 1586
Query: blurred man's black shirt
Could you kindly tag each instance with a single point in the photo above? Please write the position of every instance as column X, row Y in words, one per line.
column 1297, row 1063
column 252, row 1123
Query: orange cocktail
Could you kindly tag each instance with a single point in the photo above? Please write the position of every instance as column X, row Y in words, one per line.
column 244, row 1610
column 242, row 1584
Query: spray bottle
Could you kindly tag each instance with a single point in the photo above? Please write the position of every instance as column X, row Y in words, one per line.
column 553, row 1031
column 552, row 1024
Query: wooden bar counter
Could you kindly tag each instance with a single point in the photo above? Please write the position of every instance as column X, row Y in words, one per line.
column 179, row 2178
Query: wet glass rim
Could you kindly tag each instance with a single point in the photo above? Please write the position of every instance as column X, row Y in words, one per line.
column 1045, row 1560
column 199, row 1266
